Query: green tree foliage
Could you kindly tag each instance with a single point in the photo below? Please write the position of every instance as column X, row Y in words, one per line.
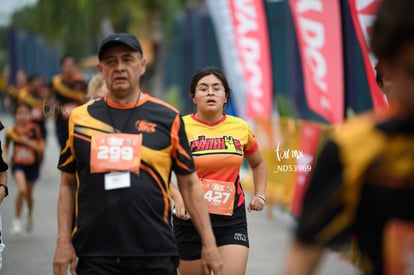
column 76, row 24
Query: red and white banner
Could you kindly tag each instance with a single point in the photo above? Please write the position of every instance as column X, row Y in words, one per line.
column 242, row 34
column 363, row 13
column 309, row 141
column 319, row 34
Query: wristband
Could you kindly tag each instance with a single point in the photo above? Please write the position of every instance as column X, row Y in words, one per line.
column 262, row 197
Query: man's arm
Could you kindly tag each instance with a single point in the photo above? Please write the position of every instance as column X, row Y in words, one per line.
column 3, row 173
column 322, row 206
column 5, row 154
column 180, row 211
column 192, row 193
column 3, row 180
column 65, row 253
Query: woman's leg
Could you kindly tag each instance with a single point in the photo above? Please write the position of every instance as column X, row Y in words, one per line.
column 29, row 197
column 20, row 179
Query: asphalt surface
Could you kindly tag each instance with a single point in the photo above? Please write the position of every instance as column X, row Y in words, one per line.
column 32, row 254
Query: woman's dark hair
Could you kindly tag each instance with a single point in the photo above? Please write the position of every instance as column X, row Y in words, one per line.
column 393, row 27
column 208, row 71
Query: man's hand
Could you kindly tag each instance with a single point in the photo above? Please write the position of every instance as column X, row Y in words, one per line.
column 2, row 194
column 64, row 256
column 211, row 260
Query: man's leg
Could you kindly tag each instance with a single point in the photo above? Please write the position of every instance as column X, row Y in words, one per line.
column 2, row 245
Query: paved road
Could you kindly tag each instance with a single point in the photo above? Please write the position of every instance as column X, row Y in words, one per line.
column 32, row 254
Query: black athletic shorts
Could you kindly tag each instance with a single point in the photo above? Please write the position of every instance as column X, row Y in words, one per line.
column 163, row 265
column 30, row 171
column 189, row 241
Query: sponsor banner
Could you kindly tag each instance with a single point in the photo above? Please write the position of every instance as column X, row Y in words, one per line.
column 242, row 35
column 363, row 13
column 220, row 13
column 319, row 35
column 309, row 141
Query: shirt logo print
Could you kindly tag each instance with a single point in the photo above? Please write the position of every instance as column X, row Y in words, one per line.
column 145, row 126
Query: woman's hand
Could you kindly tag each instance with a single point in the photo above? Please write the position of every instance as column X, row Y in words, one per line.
column 257, row 203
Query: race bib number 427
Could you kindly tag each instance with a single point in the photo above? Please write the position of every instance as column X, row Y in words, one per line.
column 219, row 196
column 115, row 152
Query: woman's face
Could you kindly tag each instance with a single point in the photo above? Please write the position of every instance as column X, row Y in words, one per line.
column 210, row 95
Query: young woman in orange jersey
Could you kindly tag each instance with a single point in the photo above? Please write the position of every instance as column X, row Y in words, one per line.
column 28, row 148
column 219, row 143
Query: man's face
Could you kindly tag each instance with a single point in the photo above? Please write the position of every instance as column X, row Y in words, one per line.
column 37, row 83
column 68, row 67
column 121, row 68
column 400, row 72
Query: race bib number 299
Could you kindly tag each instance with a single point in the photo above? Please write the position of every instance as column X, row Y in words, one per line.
column 116, row 152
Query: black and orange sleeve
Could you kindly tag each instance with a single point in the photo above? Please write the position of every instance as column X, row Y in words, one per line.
column 324, row 206
column 181, row 155
column 67, row 160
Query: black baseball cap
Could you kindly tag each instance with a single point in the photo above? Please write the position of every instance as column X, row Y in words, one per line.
column 126, row 39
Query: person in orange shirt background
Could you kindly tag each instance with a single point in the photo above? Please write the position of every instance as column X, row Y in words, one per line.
column 28, row 149
column 69, row 91
column 13, row 90
column 36, row 95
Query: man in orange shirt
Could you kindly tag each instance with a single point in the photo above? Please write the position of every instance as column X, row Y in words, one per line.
column 69, row 89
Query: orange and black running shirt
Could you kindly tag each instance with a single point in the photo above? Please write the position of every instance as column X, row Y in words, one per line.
column 22, row 154
column 36, row 103
column 218, row 150
column 13, row 91
column 132, row 221
column 69, row 94
column 363, row 183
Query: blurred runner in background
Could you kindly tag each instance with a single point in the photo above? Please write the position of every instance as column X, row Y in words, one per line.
column 36, row 95
column 363, row 181
column 28, row 149
column 69, row 91
column 13, row 90
column 96, row 88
